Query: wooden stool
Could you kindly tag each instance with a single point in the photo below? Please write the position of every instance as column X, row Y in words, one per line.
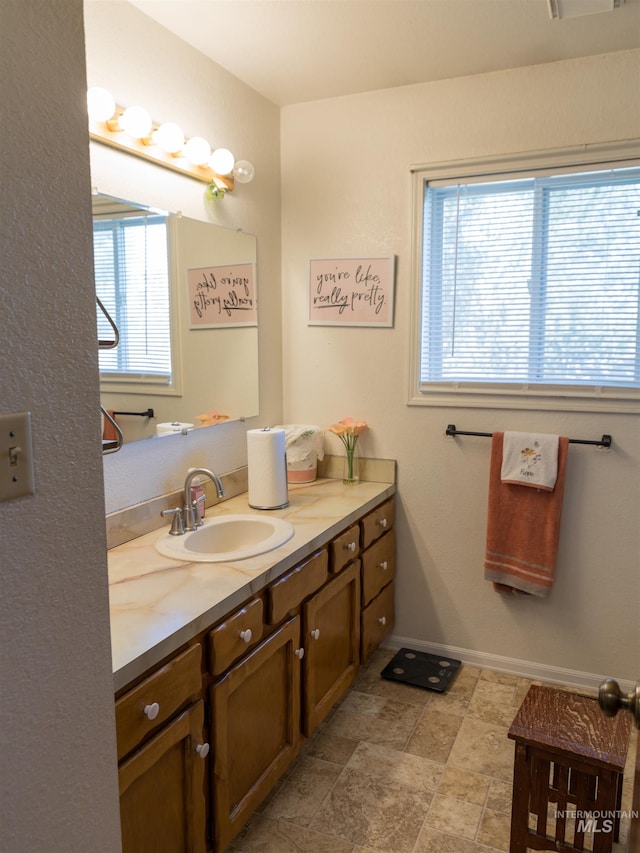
column 568, row 753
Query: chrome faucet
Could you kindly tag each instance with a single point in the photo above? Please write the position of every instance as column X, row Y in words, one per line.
column 187, row 517
column 191, row 515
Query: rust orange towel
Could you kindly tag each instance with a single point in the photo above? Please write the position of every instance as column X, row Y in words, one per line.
column 523, row 528
column 109, row 432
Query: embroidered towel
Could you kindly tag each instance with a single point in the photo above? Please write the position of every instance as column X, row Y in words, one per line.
column 523, row 528
column 530, row 459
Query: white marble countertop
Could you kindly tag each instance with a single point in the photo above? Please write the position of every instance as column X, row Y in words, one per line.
column 157, row 604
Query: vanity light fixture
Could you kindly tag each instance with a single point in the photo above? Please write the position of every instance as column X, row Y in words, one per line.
column 132, row 130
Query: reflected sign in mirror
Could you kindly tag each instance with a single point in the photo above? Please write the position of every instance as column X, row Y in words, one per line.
column 187, row 374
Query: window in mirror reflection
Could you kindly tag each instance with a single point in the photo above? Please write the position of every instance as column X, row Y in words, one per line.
column 132, row 281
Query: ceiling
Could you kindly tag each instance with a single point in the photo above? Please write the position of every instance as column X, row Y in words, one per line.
column 304, row 50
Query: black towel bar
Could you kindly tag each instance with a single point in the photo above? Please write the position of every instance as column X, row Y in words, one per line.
column 147, row 414
column 605, row 441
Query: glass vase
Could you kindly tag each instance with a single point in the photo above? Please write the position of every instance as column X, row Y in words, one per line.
column 351, row 470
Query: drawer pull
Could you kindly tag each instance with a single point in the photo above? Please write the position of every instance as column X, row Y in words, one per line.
column 299, row 653
column 315, row 633
column 384, row 565
column 350, row 546
column 151, row 711
column 383, row 523
column 202, row 749
column 246, row 635
column 382, row 620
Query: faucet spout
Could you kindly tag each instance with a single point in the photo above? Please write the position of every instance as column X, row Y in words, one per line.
column 190, row 511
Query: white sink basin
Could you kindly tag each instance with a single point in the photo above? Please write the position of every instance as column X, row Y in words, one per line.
column 224, row 538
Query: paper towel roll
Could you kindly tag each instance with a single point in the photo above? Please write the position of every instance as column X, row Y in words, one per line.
column 173, row 427
column 267, row 468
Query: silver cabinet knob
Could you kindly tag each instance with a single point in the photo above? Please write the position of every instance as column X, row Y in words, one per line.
column 299, row 653
column 382, row 620
column 151, row 711
column 383, row 523
column 246, row 635
column 350, row 546
column 384, row 565
column 315, row 633
column 202, row 749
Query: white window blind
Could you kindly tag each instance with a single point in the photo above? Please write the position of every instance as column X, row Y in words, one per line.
column 530, row 282
column 132, row 281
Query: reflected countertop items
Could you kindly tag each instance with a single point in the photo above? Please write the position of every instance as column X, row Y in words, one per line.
column 158, row 603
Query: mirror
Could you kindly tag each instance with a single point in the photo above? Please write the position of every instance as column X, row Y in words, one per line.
column 190, row 349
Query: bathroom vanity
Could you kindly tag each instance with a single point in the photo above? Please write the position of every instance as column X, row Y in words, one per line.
column 222, row 669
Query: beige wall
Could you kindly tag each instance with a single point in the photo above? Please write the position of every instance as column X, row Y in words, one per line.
column 347, row 192
column 59, row 780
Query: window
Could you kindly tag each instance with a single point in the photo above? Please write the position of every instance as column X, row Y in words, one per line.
column 530, row 283
column 132, row 281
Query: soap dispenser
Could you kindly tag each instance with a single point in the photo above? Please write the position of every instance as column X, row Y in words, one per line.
column 197, row 491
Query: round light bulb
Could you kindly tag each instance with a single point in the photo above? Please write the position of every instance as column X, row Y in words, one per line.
column 243, row 171
column 100, row 104
column 169, row 137
column 222, row 161
column 136, row 121
column 197, row 151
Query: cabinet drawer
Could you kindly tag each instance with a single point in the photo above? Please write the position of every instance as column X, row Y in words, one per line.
column 289, row 591
column 235, row 635
column 144, row 708
column 377, row 621
column 345, row 548
column 378, row 566
column 377, row 522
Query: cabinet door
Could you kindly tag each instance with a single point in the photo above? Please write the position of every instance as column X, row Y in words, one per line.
column 377, row 621
column 378, row 566
column 256, row 728
column 331, row 625
column 162, row 799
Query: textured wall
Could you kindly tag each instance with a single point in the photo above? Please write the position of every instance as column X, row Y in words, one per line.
column 355, row 200
column 59, row 781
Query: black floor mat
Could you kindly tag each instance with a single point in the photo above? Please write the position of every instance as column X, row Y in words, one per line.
column 422, row 670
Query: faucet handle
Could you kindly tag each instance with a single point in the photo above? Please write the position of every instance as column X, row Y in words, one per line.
column 177, row 525
column 196, row 510
column 191, row 516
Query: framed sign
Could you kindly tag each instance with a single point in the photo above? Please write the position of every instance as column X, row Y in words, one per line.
column 351, row 291
column 222, row 296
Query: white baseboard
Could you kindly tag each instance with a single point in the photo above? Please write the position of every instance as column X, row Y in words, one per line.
column 514, row 666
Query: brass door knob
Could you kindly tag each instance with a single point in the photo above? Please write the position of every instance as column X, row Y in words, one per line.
column 611, row 699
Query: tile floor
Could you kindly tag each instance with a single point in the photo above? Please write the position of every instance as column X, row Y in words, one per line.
column 398, row 769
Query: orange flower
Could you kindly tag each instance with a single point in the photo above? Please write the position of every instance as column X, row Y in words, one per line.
column 348, row 431
column 211, row 418
column 347, row 426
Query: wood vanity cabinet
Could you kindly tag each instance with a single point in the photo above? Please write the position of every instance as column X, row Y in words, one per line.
column 273, row 669
column 161, row 749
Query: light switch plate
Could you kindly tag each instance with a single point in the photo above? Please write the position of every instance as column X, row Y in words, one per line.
column 16, row 456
